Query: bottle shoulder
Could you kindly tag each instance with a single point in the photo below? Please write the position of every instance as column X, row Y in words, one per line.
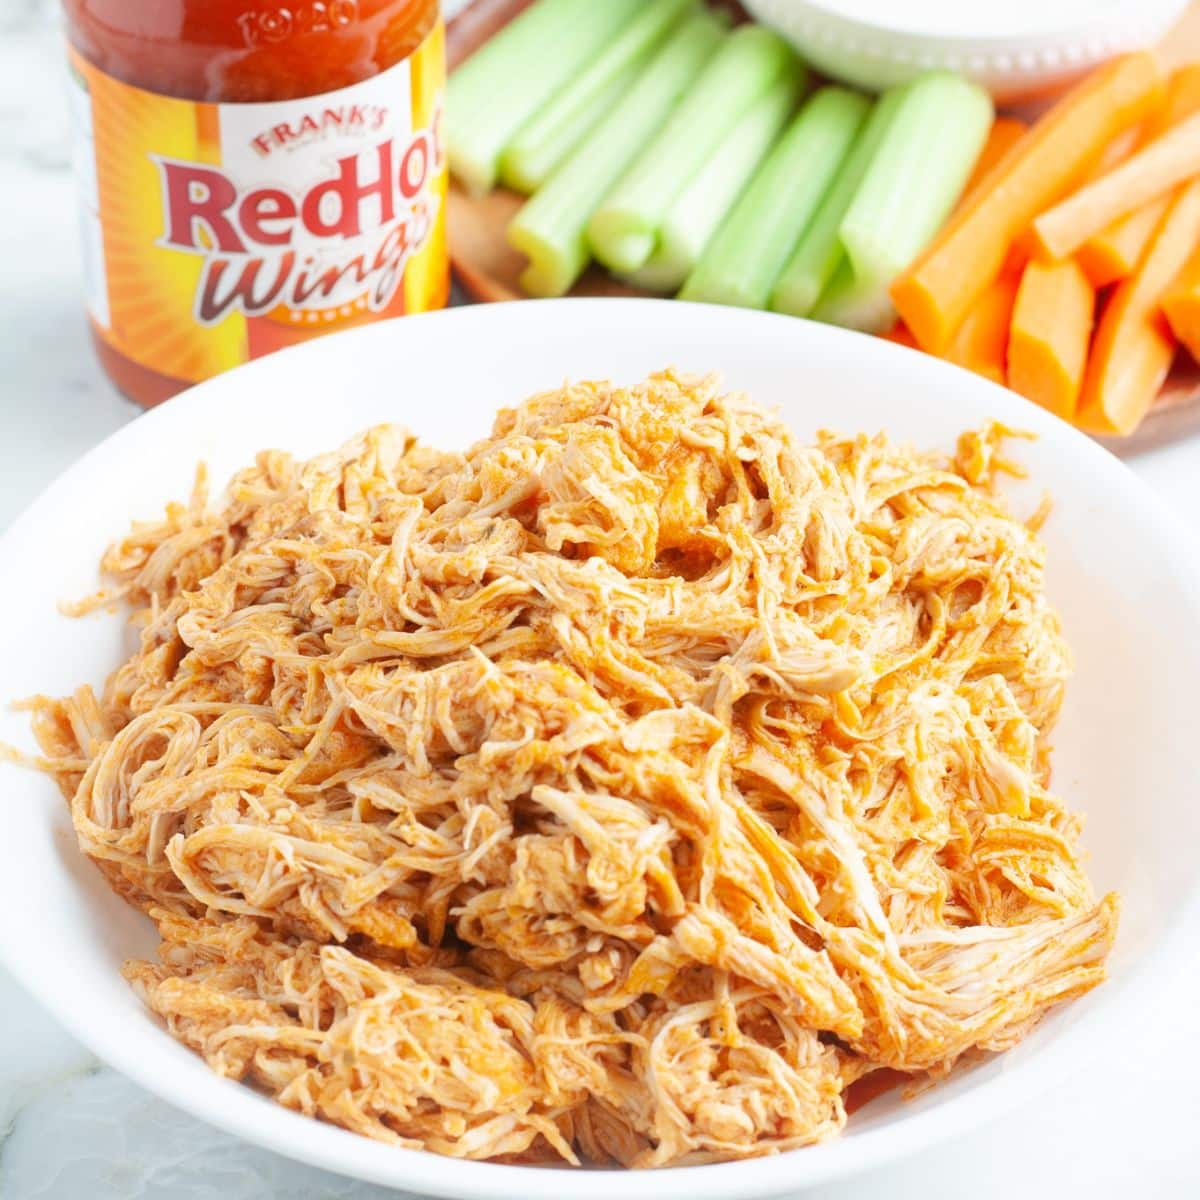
column 242, row 51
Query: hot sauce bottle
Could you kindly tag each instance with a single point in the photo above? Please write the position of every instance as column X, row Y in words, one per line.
column 253, row 174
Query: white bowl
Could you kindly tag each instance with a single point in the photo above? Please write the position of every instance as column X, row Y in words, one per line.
column 1120, row 571
column 1015, row 48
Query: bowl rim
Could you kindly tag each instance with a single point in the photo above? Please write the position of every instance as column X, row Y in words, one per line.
column 239, row 1110
column 895, row 31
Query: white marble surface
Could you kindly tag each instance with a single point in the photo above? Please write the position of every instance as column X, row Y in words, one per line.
column 72, row 1130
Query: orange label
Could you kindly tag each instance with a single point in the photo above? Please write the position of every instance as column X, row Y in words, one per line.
column 216, row 233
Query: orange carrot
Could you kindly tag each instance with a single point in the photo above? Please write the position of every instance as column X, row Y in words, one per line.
column 1116, row 152
column 938, row 290
column 900, row 334
column 1181, row 101
column 1003, row 135
column 1168, row 160
column 1049, row 336
column 980, row 341
column 1134, row 345
column 1119, row 149
column 1112, row 253
column 1181, row 305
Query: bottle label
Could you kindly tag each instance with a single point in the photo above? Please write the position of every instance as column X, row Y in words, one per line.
column 217, row 233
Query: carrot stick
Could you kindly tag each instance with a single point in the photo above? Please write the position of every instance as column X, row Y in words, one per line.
column 1134, row 345
column 899, row 333
column 1046, row 351
column 1113, row 253
column 1170, row 159
column 980, row 342
column 1049, row 336
column 1115, row 153
column 1003, row 135
column 1182, row 100
column 1119, row 149
column 1181, row 305
column 938, row 290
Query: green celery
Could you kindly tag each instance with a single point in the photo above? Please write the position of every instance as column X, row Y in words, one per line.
column 915, row 177
column 742, row 261
column 555, row 130
column 624, row 230
column 697, row 214
column 511, row 76
column 551, row 227
column 819, row 250
column 854, row 301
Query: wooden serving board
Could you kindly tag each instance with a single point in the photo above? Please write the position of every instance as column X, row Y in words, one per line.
column 488, row 268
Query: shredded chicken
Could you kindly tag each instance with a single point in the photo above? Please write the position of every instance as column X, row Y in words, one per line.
column 621, row 790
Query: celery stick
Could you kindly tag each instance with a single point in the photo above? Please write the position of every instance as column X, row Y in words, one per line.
column 743, row 259
column 508, row 78
column 698, row 212
column 526, row 172
column 551, row 227
column 917, row 174
column 554, row 131
column 624, row 229
column 855, row 302
column 819, row 251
